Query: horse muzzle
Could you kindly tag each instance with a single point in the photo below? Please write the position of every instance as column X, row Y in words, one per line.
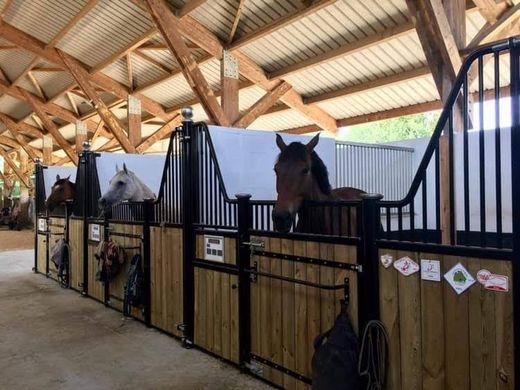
column 282, row 221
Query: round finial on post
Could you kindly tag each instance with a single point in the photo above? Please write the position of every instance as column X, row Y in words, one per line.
column 38, row 161
column 187, row 114
column 87, row 144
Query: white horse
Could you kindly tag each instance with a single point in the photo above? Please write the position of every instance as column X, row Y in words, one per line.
column 124, row 186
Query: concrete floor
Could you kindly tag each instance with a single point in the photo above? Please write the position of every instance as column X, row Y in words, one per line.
column 52, row 338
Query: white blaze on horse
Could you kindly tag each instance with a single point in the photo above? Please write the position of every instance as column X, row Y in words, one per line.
column 124, row 186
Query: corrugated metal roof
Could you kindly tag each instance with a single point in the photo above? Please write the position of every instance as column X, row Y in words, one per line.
column 13, row 62
column 106, row 29
column 118, row 70
column 53, row 83
column 42, row 19
column 14, row 107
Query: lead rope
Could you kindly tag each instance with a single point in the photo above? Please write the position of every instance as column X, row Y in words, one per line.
column 373, row 358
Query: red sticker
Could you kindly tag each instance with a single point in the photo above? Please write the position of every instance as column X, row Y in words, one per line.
column 497, row 283
column 483, row 275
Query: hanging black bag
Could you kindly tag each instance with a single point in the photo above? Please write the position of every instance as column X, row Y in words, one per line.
column 134, row 287
column 335, row 360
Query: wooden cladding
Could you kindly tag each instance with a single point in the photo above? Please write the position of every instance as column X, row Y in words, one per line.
column 441, row 340
column 287, row 317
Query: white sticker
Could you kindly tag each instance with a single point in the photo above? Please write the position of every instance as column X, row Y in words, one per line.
column 42, row 224
column 386, row 260
column 459, row 278
column 406, row 266
column 431, row 270
column 497, row 283
column 214, row 248
column 95, row 234
column 483, row 275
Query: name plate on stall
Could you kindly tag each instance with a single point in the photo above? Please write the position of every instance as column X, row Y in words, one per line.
column 42, row 224
column 214, row 248
column 95, row 234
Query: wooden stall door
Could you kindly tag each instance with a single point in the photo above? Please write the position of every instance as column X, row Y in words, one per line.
column 76, row 254
column 216, row 305
column 166, row 278
column 95, row 288
column 287, row 317
column 56, row 228
column 41, row 261
column 441, row 340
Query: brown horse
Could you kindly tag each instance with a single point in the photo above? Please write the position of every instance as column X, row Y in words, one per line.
column 62, row 190
column 302, row 176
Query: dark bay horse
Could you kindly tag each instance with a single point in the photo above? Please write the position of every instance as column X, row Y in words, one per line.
column 61, row 191
column 302, row 176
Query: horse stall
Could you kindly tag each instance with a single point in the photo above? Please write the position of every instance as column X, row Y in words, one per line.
column 434, row 263
column 52, row 225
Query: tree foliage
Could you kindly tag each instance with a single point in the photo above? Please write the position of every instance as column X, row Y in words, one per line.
column 396, row 129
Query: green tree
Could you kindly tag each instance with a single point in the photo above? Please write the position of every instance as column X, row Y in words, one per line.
column 396, row 129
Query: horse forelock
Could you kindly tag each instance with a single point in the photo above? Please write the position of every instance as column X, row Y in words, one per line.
column 296, row 151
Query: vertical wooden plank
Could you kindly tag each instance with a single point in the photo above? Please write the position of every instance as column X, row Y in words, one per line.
column 456, row 334
column 300, row 303
column 208, row 288
column 288, row 316
column 432, row 328
column 410, row 320
column 178, row 285
column 313, row 303
column 225, row 314
column 234, row 318
column 275, row 337
column 217, row 312
column 255, row 311
column 328, row 297
column 504, row 331
column 389, row 310
column 265, row 309
column 476, row 362
column 197, row 309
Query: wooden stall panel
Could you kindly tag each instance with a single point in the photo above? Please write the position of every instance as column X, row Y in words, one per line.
column 76, row 253
column 41, row 261
column 287, row 317
column 131, row 247
column 230, row 256
column 95, row 288
column 166, row 278
column 216, row 313
column 442, row 340
column 56, row 227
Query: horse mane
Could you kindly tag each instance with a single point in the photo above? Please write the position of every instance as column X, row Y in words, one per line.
column 296, row 151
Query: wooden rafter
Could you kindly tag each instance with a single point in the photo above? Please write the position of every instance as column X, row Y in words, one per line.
column 26, row 70
column 8, row 184
column 9, row 142
column 23, row 178
column 490, row 9
column 37, row 47
column 72, row 103
column 189, row 6
column 140, row 53
column 24, row 145
column 305, row 10
column 72, row 22
column 51, row 127
column 5, row 9
column 236, row 20
column 82, row 78
column 159, row 134
column 262, row 105
column 167, row 23
column 97, row 132
column 507, row 24
column 36, row 85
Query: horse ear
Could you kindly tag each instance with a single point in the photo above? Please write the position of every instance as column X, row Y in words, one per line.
column 281, row 144
column 124, row 168
column 68, row 178
column 57, row 177
column 313, row 142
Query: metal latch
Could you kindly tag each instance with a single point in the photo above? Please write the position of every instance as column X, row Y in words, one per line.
column 255, row 368
column 255, row 245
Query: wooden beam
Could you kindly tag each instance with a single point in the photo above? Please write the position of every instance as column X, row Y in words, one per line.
column 168, row 25
column 36, row 85
column 72, row 103
column 72, row 22
column 8, row 184
column 229, row 86
column 7, row 141
column 47, row 147
column 160, row 133
column 26, row 70
column 81, row 135
column 82, row 78
column 37, row 47
column 153, row 61
column 236, row 20
column 262, row 105
column 51, row 126
column 97, row 132
column 490, row 9
column 133, row 109
column 5, row 8
column 347, row 49
column 189, row 6
column 25, row 146
column 16, row 170
column 305, row 10
column 20, row 127
column 506, row 25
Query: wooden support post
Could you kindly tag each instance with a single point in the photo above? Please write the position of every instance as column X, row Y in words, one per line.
column 47, row 149
column 18, row 172
column 8, row 184
column 22, row 158
column 229, row 80
column 134, row 120
column 81, row 135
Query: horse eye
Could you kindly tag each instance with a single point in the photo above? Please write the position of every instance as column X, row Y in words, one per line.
column 305, row 171
column 120, row 183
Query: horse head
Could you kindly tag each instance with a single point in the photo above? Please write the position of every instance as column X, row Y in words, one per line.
column 62, row 190
column 299, row 174
column 123, row 186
